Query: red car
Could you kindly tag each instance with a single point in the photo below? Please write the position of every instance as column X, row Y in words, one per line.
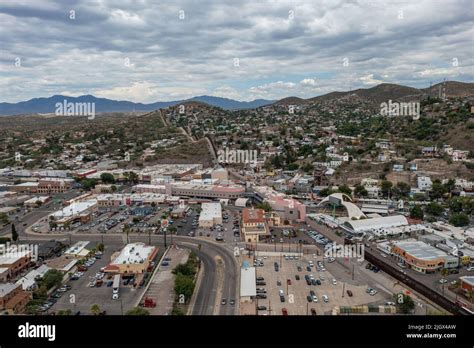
column 288, row 281
column 284, row 311
column 313, row 311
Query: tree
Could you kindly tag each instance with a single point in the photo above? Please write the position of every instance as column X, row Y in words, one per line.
column 183, row 286
column 345, row 189
column 95, row 309
column 459, row 219
column 107, row 178
column 416, row 212
column 386, row 187
column 52, row 278
column 360, row 191
column 265, row 206
column 325, row 192
column 437, row 190
column 64, row 312
column 402, row 189
column 404, row 303
column 293, row 166
column 137, row 311
column 14, row 233
column 434, row 208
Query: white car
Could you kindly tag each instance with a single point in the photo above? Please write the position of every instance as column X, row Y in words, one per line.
column 314, row 256
column 470, row 268
column 325, row 298
column 334, row 282
column 443, row 281
column 115, row 296
column 373, row 292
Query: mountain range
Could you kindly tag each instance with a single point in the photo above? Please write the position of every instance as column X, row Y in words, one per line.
column 377, row 94
column 48, row 105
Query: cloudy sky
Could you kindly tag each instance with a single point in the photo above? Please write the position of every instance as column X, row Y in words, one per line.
column 147, row 51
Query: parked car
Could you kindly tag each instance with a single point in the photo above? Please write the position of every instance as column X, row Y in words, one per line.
column 284, row 311
column 313, row 311
column 349, row 293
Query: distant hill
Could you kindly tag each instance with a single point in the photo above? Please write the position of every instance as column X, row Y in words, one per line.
column 292, row 101
column 47, row 105
column 386, row 91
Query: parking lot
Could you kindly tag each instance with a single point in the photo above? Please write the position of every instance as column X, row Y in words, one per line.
column 296, row 291
column 82, row 296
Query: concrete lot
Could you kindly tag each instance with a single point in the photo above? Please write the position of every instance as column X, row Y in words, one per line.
column 161, row 289
column 296, row 294
column 85, row 296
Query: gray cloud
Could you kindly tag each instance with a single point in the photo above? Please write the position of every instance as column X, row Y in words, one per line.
column 143, row 51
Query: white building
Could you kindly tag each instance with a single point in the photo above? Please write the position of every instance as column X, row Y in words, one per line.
column 248, row 288
column 424, row 183
column 211, row 214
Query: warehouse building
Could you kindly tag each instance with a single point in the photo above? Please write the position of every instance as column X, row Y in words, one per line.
column 211, row 214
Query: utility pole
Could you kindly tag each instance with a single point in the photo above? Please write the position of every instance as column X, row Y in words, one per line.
column 164, row 232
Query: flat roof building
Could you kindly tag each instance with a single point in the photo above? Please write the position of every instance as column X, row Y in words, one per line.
column 248, row 287
column 211, row 214
column 422, row 257
column 134, row 258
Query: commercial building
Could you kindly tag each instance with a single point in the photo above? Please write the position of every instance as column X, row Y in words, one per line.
column 54, row 185
column 211, row 214
column 13, row 298
column 78, row 250
column 206, row 191
column 134, row 258
column 145, row 198
column 14, row 262
column 373, row 224
column 75, row 211
column 25, row 187
column 36, row 201
column 248, row 288
column 422, row 257
column 467, row 283
column 254, row 225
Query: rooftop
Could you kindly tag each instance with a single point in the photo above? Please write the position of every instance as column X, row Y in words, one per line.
column 421, row 250
column 253, row 216
column 74, row 208
column 134, row 253
column 248, row 286
column 210, row 211
column 6, row 288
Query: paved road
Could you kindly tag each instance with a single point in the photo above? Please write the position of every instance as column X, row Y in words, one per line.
column 206, row 294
